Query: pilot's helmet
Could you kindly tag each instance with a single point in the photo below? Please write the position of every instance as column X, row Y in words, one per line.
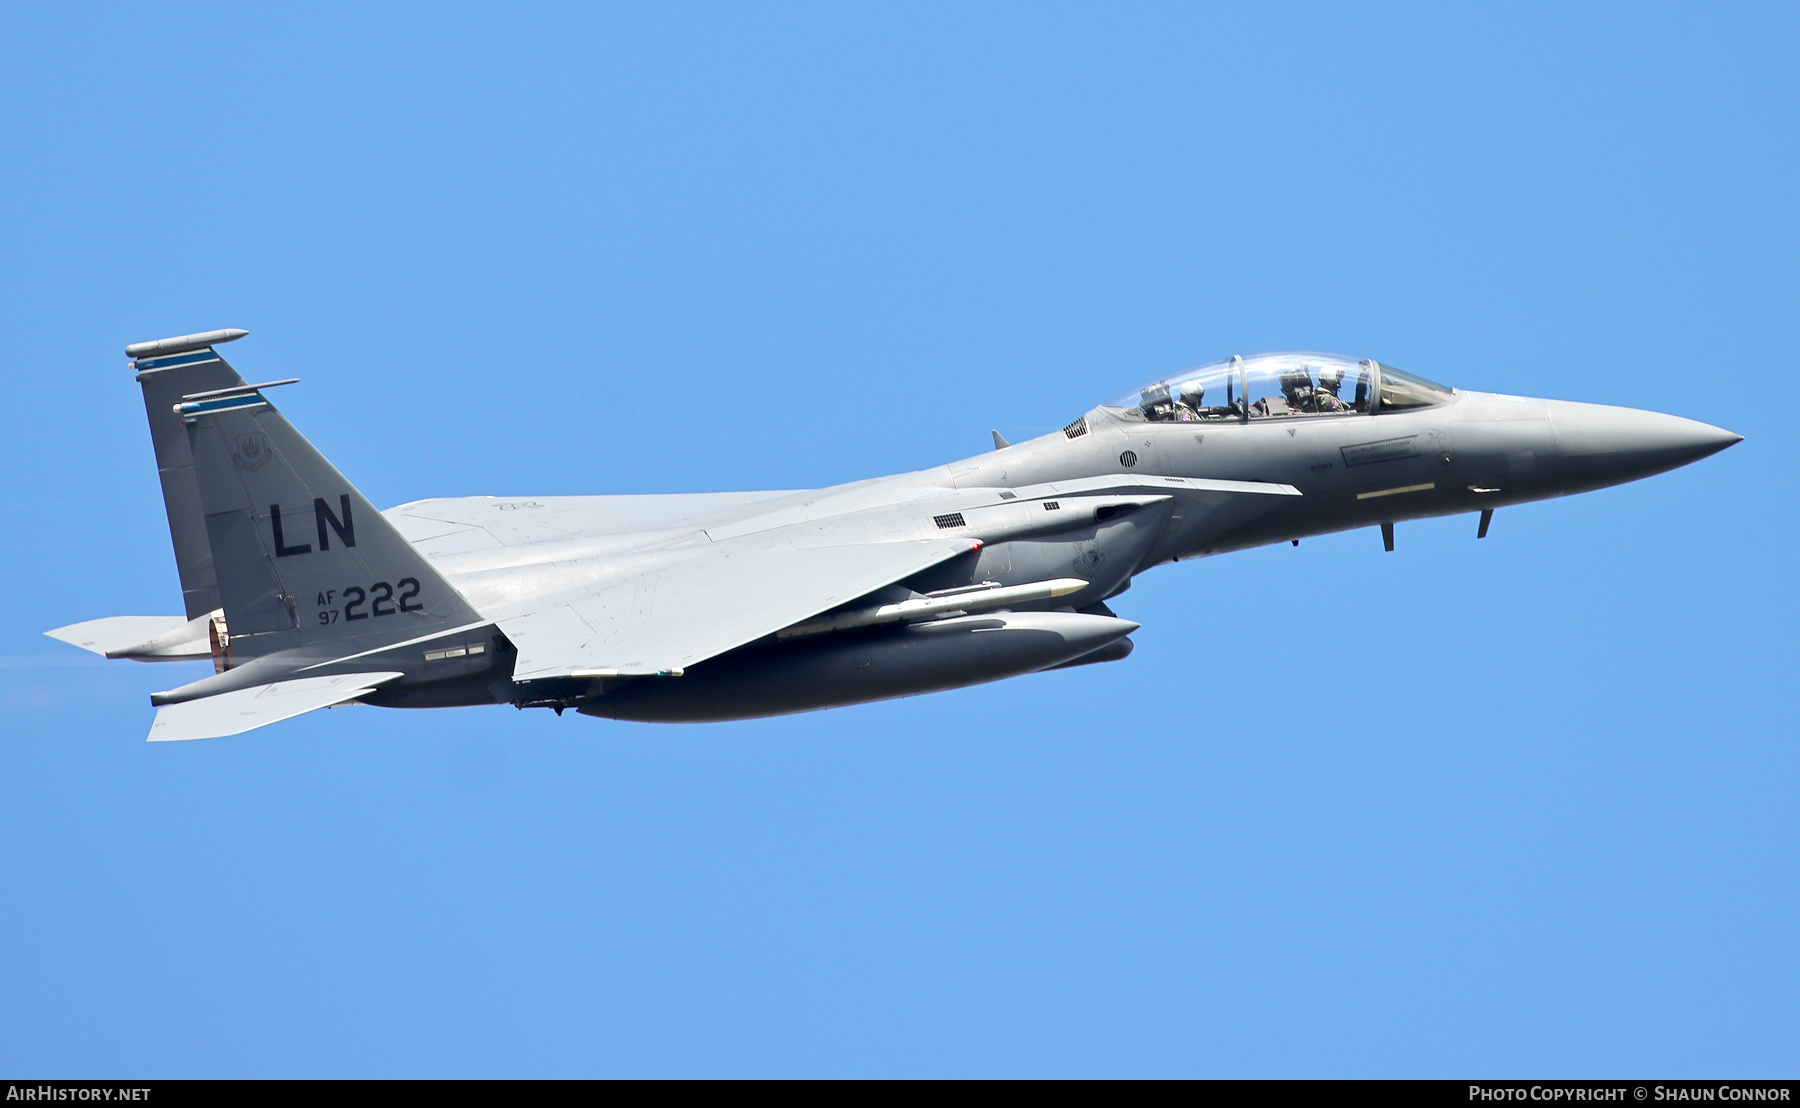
column 1193, row 393
column 1331, row 378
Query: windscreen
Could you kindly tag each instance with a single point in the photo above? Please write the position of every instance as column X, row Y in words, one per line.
column 1401, row 390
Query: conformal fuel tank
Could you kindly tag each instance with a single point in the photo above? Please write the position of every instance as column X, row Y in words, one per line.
column 848, row 668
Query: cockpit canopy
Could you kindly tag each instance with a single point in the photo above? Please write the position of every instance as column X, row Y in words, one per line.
column 1278, row 386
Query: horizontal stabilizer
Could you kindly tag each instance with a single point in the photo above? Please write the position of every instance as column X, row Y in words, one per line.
column 235, row 712
column 114, row 634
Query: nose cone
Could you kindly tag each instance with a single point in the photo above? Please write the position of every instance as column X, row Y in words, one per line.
column 1599, row 445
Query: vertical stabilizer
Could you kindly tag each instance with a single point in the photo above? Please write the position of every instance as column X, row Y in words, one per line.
column 302, row 558
column 267, row 529
column 170, row 369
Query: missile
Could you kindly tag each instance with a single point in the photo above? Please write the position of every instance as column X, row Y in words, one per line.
column 978, row 598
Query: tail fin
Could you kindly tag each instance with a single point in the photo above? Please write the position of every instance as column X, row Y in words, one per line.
column 168, row 369
column 297, row 556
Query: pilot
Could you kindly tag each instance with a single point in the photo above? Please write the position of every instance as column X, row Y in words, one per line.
column 1192, row 402
column 1325, row 397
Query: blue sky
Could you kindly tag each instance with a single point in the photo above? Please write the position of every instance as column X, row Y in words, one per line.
column 1516, row 807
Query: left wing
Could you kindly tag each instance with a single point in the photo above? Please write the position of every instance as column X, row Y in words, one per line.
column 742, row 565
column 703, row 601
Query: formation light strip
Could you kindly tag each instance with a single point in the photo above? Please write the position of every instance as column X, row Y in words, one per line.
column 1396, row 492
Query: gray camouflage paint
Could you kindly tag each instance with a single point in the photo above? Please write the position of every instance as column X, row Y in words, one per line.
column 668, row 608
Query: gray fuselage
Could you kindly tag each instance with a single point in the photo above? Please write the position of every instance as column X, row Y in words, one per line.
column 1474, row 452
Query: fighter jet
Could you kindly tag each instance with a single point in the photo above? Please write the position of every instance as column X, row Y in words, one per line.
column 722, row 606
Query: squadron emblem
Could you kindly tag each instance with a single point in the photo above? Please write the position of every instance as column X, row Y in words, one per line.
column 252, row 452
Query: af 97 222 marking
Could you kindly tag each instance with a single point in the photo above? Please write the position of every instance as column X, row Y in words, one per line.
column 380, row 598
